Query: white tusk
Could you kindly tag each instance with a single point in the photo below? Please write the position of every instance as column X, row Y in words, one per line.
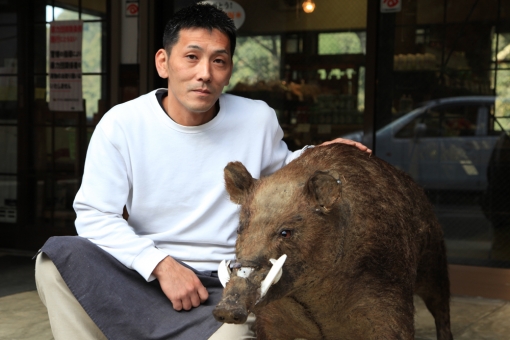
column 224, row 272
column 275, row 273
column 244, row 271
column 279, row 275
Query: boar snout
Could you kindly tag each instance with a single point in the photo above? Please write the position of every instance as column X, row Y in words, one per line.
column 239, row 295
column 230, row 312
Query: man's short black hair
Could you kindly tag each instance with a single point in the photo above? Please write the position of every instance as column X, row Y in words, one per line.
column 200, row 15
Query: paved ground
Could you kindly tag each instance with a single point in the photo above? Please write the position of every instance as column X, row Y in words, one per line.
column 24, row 317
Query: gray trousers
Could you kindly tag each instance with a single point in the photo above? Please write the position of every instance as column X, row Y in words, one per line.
column 81, row 304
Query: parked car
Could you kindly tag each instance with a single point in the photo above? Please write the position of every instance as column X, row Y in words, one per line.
column 444, row 144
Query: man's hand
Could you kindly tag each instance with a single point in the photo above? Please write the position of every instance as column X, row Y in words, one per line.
column 350, row 142
column 180, row 284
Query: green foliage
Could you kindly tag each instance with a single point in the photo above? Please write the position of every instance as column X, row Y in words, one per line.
column 256, row 59
column 339, row 43
column 502, row 56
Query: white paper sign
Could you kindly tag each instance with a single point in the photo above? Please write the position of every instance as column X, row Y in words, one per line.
column 390, row 6
column 65, row 66
column 232, row 8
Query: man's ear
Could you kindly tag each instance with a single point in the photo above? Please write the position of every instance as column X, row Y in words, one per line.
column 162, row 63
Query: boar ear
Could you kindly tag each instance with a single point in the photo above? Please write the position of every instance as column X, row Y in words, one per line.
column 324, row 188
column 238, row 181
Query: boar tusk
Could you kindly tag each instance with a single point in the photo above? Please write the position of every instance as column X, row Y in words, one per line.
column 275, row 273
column 224, row 272
column 279, row 275
column 244, row 271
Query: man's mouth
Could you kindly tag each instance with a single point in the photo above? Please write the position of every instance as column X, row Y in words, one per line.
column 202, row 91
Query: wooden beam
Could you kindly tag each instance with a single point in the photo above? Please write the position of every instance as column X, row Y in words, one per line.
column 492, row 283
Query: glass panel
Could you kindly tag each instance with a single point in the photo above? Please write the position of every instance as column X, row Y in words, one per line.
column 500, row 49
column 66, row 14
column 40, row 203
column 468, row 48
column 42, row 114
column 65, row 191
column 8, row 12
column 341, row 43
column 9, row 150
column 42, row 147
column 438, row 120
column 67, row 118
column 8, row 98
column 92, row 96
column 41, row 48
column 65, row 149
column 8, row 199
column 257, row 59
column 503, row 80
column 92, row 47
column 471, row 11
column 315, row 100
column 8, row 50
column 93, row 10
column 54, row 200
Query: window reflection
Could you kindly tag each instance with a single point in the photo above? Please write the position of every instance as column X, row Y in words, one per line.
column 8, row 199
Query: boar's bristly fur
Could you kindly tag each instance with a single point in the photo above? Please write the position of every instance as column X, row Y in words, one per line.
column 360, row 238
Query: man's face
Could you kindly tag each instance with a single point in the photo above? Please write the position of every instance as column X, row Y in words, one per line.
column 198, row 68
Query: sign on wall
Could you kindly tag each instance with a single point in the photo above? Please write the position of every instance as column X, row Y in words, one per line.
column 390, row 6
column 131, row 7
column 232, row 8
column 65, row 66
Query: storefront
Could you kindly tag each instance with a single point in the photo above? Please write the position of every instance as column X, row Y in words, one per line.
column 426, row 83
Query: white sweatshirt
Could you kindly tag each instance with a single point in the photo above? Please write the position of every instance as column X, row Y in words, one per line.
column 170, row 177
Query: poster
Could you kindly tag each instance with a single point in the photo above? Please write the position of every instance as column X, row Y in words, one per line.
column 65, row 66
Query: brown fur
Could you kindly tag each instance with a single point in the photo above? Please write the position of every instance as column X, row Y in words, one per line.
column 364, row 238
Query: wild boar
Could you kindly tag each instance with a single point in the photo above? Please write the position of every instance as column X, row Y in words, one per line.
column 359, row 237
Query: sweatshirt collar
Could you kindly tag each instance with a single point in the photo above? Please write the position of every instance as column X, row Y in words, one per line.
column 162, row 115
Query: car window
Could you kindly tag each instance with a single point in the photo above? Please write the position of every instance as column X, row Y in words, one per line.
column 459, row 120
column 444, row 121
column 427, row 124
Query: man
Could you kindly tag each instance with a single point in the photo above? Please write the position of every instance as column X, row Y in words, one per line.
column 162, row 156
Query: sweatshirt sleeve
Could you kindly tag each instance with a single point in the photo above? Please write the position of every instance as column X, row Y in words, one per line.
column 99, row 205
column 278, row 153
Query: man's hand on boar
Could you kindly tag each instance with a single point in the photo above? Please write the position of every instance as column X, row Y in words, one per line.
column 180, row 284
column 348, row 142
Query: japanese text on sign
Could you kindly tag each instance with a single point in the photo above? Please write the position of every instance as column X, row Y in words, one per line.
column 65, row 66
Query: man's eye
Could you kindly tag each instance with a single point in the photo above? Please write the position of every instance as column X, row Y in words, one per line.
column 191, row 56
column 286, row 233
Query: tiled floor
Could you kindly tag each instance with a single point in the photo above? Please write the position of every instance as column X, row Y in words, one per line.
column 24, row 317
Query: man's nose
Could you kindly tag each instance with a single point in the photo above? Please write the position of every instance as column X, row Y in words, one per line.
column 204, row 71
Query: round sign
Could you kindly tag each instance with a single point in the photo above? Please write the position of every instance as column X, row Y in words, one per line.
column 232, row 8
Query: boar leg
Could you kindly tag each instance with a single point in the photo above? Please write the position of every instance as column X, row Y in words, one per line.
column 433, row 286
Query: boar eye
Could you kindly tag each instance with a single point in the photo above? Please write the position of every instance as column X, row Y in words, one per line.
column 286, row 233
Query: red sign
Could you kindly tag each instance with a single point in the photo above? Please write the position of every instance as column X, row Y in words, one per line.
column 131, row 8
column 388, row 6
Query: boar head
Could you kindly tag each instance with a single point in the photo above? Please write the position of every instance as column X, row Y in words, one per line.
column 295, row 213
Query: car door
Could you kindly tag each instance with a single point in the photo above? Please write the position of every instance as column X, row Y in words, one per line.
column 414, row 146
column 460, row 144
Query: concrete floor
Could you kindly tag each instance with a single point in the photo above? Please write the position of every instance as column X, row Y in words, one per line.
column 24, row 317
